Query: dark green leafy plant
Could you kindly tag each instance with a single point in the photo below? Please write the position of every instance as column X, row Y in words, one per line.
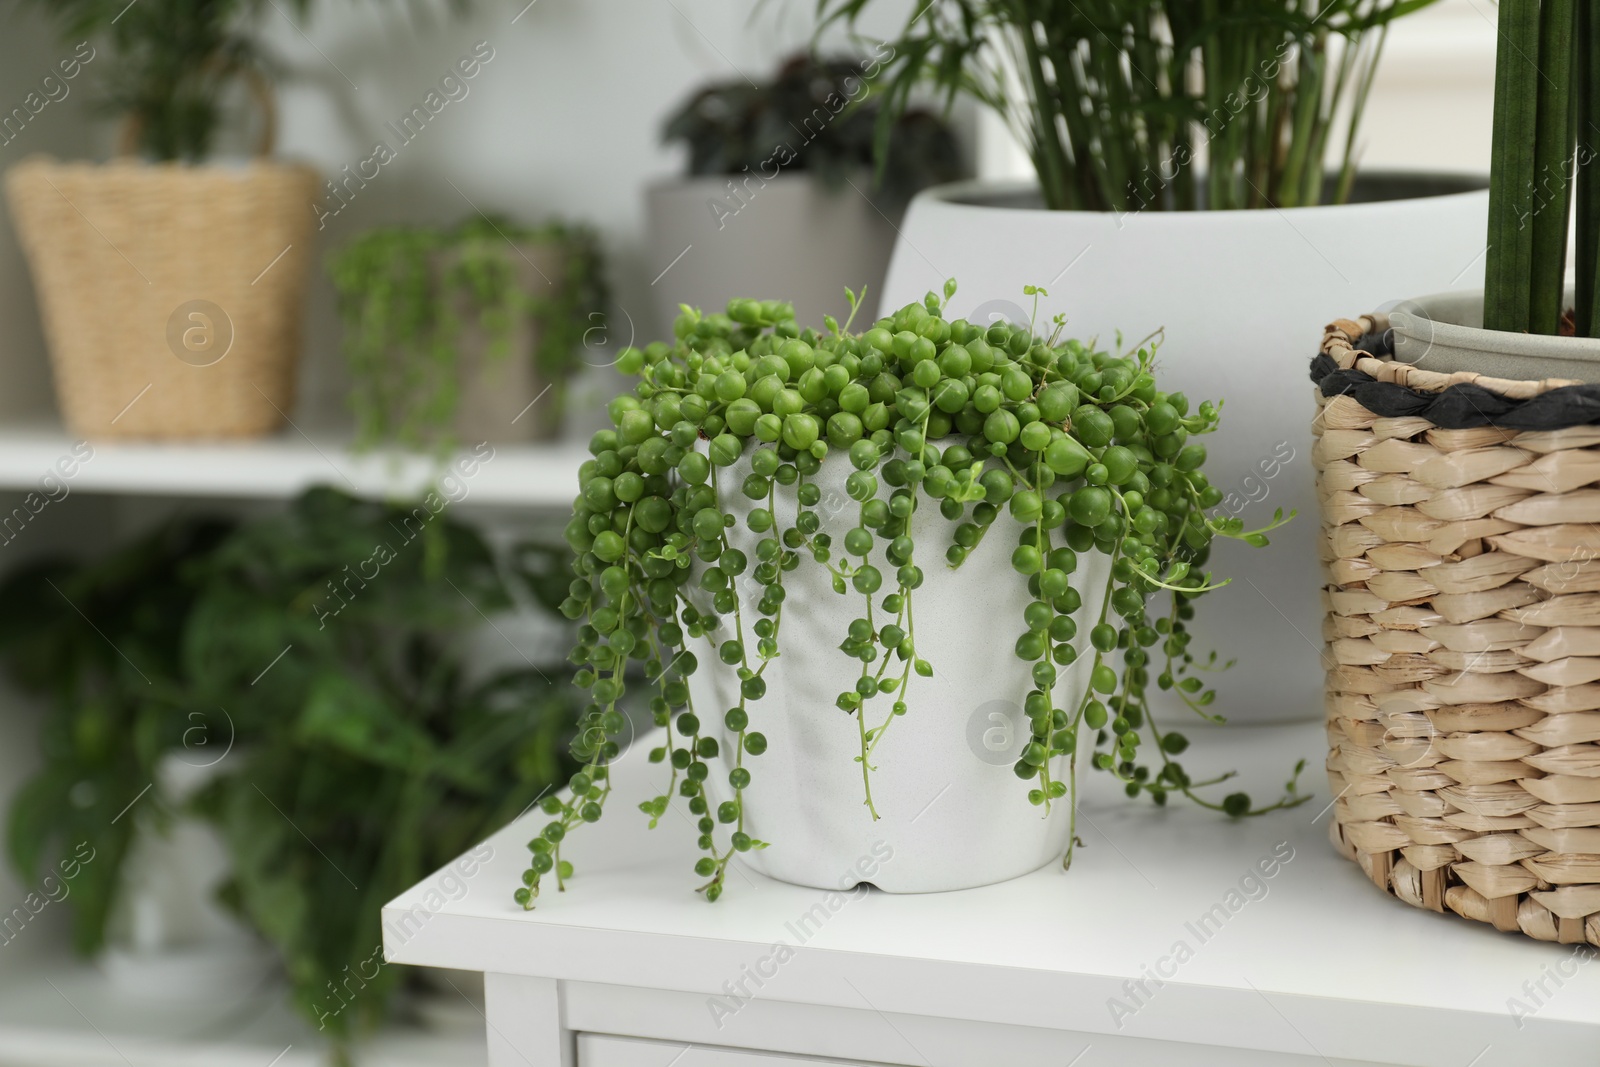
column 815, row 115
column 404, row 292
column 1038, row 447
column 116, row 704
column 1546, row 138
column 319, row 649
column 1117, row 101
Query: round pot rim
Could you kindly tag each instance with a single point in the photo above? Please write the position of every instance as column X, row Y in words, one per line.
column 1481, row 339
column 786, row 176
column 959, row 195
column 125, row 165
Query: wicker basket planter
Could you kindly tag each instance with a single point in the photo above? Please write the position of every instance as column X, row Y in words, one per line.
column 1461, row 544
column 171, row 295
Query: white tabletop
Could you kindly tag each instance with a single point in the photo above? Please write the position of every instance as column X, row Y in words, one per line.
column 1313, row 960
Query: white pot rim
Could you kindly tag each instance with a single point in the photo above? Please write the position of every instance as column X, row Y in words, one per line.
column 965, row 196
column 221, row 166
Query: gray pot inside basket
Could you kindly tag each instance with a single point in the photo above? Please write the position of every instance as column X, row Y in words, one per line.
column 1444, row 332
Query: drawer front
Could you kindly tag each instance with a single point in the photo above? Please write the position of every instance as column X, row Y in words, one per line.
column 673, row 1029
column 603, row 1050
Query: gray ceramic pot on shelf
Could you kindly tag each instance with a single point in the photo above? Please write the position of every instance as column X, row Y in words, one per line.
column 791, row 237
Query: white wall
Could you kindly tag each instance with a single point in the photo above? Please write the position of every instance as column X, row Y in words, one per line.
column 1433, row 100
column 29, row 51
column 563, row 120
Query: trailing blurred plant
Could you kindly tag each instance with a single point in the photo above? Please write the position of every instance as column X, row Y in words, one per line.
column 403, row 292
column 174, row 61
column 1546, row 137
column 364, row 757
column 1115, row 100
column 815, row 115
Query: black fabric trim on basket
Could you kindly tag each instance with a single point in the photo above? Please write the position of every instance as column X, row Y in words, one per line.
column 1460, row 407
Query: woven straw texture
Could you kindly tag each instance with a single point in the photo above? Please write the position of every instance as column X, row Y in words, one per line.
column 1463, row 647
column 132, row 262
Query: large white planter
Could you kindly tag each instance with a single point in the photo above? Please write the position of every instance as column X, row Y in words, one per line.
column 952, row 813
column 1242, row 297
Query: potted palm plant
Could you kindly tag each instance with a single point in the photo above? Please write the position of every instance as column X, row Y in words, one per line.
column 170, row 290
column 788, row 164
column 1528, row 322
column 1193, row 176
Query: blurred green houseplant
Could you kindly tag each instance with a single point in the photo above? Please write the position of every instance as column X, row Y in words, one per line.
column 409, row 295
column 366, row 756
column 174, row 62
column 1115, row 100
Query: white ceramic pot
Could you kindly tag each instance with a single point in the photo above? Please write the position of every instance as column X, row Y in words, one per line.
column 1242, row 297
column 1444, row 332
column 789, row 238
column 952, row 813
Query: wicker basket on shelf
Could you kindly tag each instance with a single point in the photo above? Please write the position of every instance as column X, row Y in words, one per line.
column 1461, row 545
column 171, row 295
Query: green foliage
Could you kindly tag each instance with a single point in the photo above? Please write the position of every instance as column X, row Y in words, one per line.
column 1116, row 101
column 173, row 60
column 1049, row 447
column 403, row 292
column 117, row 704
column 1546, row 139
column 815, row 115
column 348, row 767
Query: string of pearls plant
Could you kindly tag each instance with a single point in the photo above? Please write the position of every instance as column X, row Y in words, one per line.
column 1046, row 444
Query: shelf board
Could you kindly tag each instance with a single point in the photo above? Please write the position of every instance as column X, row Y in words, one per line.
column 513, row 475
column 56, row 1011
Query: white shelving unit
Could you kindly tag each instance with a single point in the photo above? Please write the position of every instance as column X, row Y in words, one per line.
column 541, row 476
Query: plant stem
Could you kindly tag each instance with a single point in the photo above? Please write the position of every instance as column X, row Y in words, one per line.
column 866, row 775
column 1049, row 155
column 1552, row 198
column 1369, row 70
column 1587, row 309
column 1508, row 262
